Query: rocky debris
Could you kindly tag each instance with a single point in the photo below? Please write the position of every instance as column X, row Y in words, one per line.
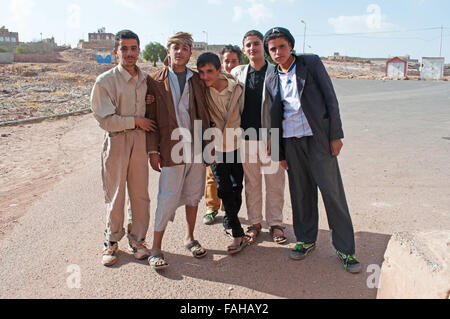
column 79, row 55
column 86, row 68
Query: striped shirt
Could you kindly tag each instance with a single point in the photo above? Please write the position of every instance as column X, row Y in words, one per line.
column 295, row 123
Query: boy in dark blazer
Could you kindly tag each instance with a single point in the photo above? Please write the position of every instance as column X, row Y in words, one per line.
column 305, row 110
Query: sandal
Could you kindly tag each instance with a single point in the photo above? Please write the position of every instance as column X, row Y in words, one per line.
column 197, row 247
column 280, row 239
column 157, row 261
column 236, row 248
column 251, row 237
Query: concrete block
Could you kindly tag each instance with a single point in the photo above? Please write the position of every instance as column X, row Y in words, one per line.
column 6, row 57
column 416, row 266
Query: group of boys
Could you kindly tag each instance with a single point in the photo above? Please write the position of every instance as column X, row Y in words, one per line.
column 287, row 119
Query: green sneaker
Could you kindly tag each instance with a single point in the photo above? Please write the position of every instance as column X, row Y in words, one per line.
column 350, row 263
column 209, row 217
column 301, row 250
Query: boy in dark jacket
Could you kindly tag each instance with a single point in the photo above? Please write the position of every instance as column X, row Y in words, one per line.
column 306, row 111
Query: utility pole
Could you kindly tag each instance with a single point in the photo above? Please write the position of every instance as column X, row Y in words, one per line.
column 304, row 36
column 442, row 33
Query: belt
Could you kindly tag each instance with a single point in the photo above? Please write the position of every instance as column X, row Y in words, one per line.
column 112, row 134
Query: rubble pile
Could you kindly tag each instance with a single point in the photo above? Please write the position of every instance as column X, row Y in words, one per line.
column 32, row 90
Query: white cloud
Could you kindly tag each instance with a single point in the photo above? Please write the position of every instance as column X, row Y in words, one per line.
column 258, row 12
column 238, row 13
column 148, row 6
column 21, row 10
column 74, row 18
column 372, row 21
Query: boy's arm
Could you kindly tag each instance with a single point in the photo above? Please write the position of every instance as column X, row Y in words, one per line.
column 105, row 111
column 326, row 87
column 275, row 120
column 151, row 113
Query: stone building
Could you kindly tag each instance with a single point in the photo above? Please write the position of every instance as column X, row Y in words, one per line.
column 99, row 40
column 8, row 40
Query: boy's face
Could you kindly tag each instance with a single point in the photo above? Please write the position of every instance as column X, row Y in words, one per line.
column 209, row 74
column 280, row 50
column 230, row 61
column 127, row 52
column 253, row 47
column 179, row 53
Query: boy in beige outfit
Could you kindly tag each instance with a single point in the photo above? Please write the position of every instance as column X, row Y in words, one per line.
column 118, row 103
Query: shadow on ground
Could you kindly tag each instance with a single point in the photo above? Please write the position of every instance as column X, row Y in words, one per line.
column 270, row 270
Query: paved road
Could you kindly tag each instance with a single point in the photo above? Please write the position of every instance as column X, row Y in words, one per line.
column 397, row 176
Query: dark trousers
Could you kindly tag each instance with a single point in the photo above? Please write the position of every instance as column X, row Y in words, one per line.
column 311, row 168
column 229, row 175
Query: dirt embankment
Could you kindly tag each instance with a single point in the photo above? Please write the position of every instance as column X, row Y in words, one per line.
column 40, row 89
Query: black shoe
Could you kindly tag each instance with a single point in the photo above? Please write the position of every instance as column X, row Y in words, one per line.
column 301, row 250
column 350, row 263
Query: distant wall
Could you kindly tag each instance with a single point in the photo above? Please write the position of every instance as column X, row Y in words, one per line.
column 11, row 46
column 6, row 57
column 38, row 58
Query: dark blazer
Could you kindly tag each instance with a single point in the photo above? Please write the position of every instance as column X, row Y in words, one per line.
column 318, row 100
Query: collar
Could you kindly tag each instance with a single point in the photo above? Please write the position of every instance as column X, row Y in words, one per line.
column 127, row 76
column 291, row 67
column 252, row 70
column 189, row 73
column 229, row 88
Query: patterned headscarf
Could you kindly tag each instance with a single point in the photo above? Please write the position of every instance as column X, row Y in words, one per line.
column 179, row 37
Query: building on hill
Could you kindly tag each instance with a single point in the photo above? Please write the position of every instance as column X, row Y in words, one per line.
column 8, row 40
column 203, row 46
column 199, row 46
column 99, row 40
column 337, row 57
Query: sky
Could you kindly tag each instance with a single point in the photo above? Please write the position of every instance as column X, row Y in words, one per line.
column 374, row 28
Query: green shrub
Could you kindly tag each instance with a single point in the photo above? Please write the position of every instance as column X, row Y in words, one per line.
column 2, row 49
column 23, row 49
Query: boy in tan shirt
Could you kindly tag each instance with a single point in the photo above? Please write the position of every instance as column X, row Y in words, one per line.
column 231, row 58
column 118, row 103
column 224, row 96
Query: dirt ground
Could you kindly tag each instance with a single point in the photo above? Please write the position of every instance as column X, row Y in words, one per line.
column 36, row 156
column 394, row 164
column 396, row 174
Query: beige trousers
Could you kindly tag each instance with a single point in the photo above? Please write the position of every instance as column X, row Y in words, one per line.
column 258, row 165
column 213, row 201
column 125, row 170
